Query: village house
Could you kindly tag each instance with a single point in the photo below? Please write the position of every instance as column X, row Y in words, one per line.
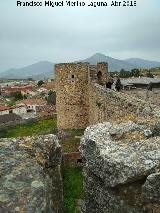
column 31, row 104
column 18, row 110
column 22, row 88
column 42, row 90
column 4, row 110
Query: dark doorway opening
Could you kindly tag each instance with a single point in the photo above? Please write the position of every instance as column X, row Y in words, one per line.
column 99, row 77
column 79, row 161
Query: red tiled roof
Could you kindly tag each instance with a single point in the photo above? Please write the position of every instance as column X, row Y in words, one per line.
column 2, row 108
column 32, row 102
column 14, row 107
column 17, row 88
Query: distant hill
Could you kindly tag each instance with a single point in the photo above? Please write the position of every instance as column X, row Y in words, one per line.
column 117, row 65
column 45, row 69
column 141, row 63
column 36, row 71
column 114, row 64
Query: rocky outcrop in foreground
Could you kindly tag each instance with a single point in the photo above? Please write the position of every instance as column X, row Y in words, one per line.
column 30, row 179
column 122, row 168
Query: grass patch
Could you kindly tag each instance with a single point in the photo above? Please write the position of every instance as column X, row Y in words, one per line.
column 73, row 188
column 41, row 127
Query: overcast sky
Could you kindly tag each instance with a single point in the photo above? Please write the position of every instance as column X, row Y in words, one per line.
column 29, row 35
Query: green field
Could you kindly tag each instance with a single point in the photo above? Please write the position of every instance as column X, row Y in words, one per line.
column 41, row 127
column 73, row 189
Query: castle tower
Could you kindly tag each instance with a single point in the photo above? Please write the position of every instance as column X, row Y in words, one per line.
column 72, row 96
column 72, row 99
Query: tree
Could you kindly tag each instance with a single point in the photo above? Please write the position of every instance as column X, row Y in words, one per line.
column 29, row 79
column 17, row 95
column 124, row 74
column 135, row 72
column 40, row 83
column 149, row 74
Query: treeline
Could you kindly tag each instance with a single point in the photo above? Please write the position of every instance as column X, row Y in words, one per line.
column 133, row 73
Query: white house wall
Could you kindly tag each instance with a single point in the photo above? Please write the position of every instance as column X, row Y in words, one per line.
column 19, row 111
column 4, row 112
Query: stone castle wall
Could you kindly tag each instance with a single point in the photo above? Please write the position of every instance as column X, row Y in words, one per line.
column 83, row 100
column 108, row 105
column 72, row 84
column 121, row 171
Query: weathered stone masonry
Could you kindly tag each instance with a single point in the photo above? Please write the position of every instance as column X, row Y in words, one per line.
column 82, row 99
column 108, row 105
column 30, row 178
column 72, row 83
column 122, row 169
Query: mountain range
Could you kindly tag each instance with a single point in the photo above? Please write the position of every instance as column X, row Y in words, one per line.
column 40, row 70
column 45, row 69
column 117, row 65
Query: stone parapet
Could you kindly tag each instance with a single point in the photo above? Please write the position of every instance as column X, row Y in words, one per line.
column 109, row 105
column 30, row 178
column 122, row 168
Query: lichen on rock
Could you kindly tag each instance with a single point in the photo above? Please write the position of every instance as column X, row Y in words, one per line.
column 30, row 179
column 121, row 172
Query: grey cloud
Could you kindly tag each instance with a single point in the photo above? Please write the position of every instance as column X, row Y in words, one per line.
column 28, row 35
